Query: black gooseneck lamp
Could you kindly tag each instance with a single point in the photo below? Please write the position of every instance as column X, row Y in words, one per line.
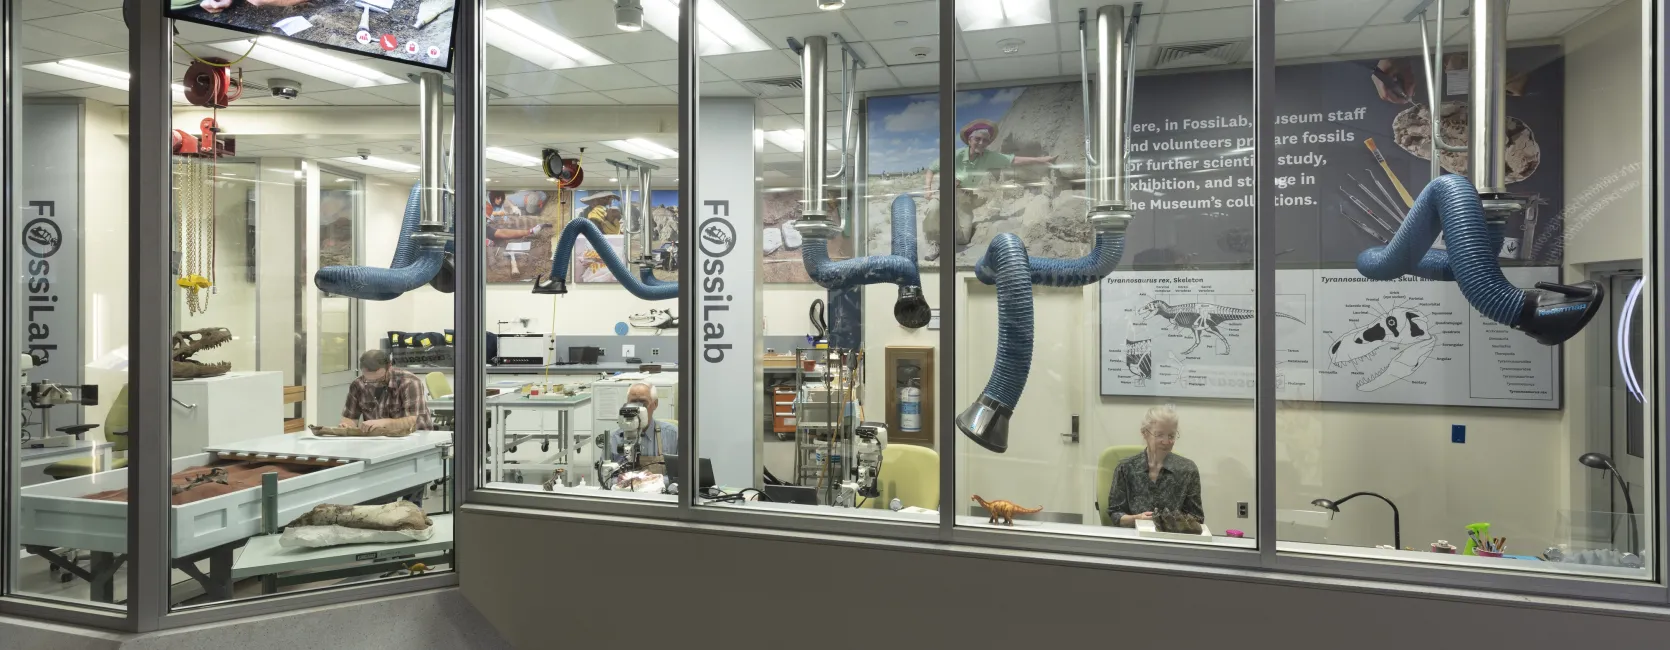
column 1397, row 526
column 1599, row 460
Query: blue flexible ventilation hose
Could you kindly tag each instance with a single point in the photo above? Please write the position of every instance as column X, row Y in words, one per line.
column 413, row 265
column 898, row 267
column 1550, row 313
column 651, row 289
column 1007, row 265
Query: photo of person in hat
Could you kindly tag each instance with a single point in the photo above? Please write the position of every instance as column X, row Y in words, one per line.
column 599, row 209
column 972, row 161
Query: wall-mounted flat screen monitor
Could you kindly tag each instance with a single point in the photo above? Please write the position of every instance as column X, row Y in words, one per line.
column 418, row 32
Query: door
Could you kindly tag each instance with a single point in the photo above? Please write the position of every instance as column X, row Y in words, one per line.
column 1618, row 427
column 341, row 215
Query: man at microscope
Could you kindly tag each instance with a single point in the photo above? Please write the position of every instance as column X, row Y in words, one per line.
column 657, row 439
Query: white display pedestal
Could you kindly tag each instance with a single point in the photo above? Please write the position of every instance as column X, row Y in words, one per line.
column 232, row 407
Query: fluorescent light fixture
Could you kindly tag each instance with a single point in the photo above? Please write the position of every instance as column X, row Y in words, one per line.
column 509, row 157
column 719, row 32
column 642, row 148
column 310, row 61
column 84, row 72
column 524, row 39
column 975, row 15
column 792, row 140
column 379, row 163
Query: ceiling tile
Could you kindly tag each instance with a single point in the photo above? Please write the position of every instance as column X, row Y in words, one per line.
column 93, row 5
column 1396, row 10
column 778, row 122
column 578, row 99
column 21, row 55
column 881, row 23
column 518, row 101
column 750, row 9
column 350, row 97
column 1038, row 39
column 1210, row 25
column 92, row 27
column 1197, row 5
column 1068, row 33
column 1018, row 67
column 101, row 93
column 666, row 72
column 573, row 18
column 1310, row 44
column 1383, row 38
column 48, row 82
column 778, row 30
column 926, row 75
column 59, row 44
column 724, row 89
column 643, row 96
column 876, row 79
column 647, row 45
column 269, row 100
column 1543, row 25
column 502, row 62
column 606, row 77
column 548, row 82
column 33, row 9
column 1070, row 60
column 1317, row 15
column 754, row 65
column 1534, row 6
column 898, row 51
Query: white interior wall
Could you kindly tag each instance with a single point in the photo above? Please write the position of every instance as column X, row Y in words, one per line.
column 234, row 302
column 276, row 275
column 104, row 253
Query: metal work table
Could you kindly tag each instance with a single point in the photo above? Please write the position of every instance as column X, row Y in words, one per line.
column 502, row 406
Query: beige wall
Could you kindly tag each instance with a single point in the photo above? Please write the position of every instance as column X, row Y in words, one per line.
column 104, row 241
column 705, row 590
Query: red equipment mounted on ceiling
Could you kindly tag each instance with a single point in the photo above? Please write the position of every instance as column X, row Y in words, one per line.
column 565, row 172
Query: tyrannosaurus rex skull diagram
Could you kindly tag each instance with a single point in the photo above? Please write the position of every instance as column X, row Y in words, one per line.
column 189, row 342
column 1391, row 347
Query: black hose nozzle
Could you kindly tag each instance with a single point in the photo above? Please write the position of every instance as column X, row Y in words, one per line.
column 549, row 286
column 1556, row 312
column 911, row 310
column 986, row 422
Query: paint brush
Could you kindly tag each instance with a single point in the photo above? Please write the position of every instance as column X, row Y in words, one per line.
column 1367, row 211
column 1408, row 201
column 1400, row 214
column 1374, row 197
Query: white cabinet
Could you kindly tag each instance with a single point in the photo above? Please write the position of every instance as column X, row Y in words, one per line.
column 214, row 411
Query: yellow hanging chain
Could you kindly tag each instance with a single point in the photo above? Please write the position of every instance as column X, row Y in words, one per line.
column 190, row 178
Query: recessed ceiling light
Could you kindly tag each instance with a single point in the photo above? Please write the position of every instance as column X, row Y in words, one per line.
column 719, row 32
column 379, row 163
column 524, row 39
column 997, row 14
column 614, row 180
column 1010, row 45
column 642, row 148
column 900, row 23
column 509, row 157
column 309, row 61
column 831, row 5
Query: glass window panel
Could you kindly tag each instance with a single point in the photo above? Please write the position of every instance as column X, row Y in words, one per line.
column 839, row 418
column 581, row 120
column 312, row 327
column 1477, row 432
column 1126, row 395
column 69, row 316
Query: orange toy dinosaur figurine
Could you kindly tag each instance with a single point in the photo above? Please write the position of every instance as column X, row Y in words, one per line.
column 1004, row 510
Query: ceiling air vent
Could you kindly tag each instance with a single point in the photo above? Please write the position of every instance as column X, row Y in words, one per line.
column 1189, row 55
column 775, row 86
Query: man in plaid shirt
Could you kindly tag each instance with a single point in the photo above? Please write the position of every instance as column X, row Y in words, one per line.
column 385, row 396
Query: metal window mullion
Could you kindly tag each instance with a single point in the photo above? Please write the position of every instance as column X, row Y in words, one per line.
column 689, row 94
column 150, row 234
column 10, row 458
column 469, row 117
column 1264, row 272
column 1655, row 65
column 947, row 412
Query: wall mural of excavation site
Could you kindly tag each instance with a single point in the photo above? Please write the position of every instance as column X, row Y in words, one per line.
column 1351, row 158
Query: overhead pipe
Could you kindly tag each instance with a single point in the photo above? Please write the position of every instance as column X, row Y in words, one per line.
column 1471, row 216
column 812, row 56
column 424, row 252
column 1007, row 265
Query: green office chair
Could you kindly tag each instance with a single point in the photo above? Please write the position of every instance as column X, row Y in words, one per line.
column 1104, row 476
column 115, row 430
column 909, row 473
column 437, row 384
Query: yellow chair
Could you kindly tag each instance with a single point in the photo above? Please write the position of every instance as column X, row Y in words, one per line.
column 115, row 430
column 437, row 384
column 1104, row 476
column 909, row 473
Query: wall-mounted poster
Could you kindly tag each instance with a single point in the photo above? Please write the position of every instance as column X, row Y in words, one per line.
column 1350, row 147
column 781, row 243
column 522, row 226
column 588, row 266
column 606, row 208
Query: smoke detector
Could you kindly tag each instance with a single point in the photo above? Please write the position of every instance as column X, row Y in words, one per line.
column 1010, row 45
column 1189, row 55
column 284, row 88
column 920, row 52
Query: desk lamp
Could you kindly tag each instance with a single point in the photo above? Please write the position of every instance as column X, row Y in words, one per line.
column 1397, row 528
column 1599, row 460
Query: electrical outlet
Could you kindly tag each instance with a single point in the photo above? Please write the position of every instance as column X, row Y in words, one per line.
column 655, row 352
column 628, row 350
column 1241, row 509
column 1458, row 433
